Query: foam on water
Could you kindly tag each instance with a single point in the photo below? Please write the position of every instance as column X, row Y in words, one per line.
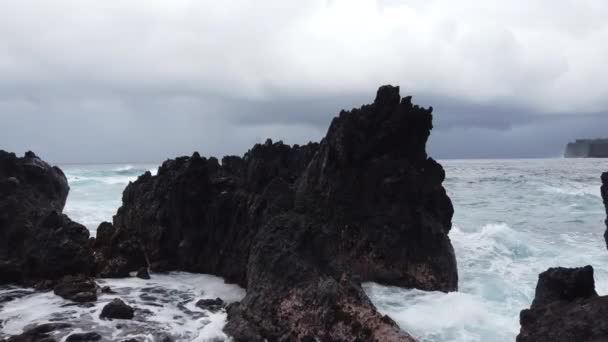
column 165, row 306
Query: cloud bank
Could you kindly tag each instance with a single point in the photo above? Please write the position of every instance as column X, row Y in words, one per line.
column 137, row 80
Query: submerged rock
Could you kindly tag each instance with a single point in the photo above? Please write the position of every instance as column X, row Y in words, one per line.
column 143, row 273
column 37, row 242
column 39, row 333
column 213, row 305
column 84, row 337
column 566, row 306
column 77, row 288
column 300, row 226
column 117, row 309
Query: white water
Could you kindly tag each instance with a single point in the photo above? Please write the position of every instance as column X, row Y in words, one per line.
column 165, row 306
column 513, row 219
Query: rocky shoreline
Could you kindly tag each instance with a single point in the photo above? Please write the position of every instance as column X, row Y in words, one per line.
column 299, row 227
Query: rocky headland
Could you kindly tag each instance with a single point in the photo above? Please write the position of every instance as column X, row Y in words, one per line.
column 299, row 227
column 587, row 148
column 566, row 306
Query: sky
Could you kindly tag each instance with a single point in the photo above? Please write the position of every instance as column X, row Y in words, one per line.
column 145, row 80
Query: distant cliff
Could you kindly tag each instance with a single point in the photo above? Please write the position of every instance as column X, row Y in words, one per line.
column 587, row 148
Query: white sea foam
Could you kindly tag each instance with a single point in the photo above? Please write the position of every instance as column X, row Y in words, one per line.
column 165, row 306
column 487, row 306
column 574, row 190
column 437, row 316
column 124, row 168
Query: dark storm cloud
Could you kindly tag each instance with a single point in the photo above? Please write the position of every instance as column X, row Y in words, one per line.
column 137, row 80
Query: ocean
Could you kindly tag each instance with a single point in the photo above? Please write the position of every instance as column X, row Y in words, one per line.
column 513, row 219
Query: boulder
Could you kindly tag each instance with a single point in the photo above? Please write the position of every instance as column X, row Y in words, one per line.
column 77, row 288
column 213, row 305
column 300, row 227
column 117, row 309
column 38, row 242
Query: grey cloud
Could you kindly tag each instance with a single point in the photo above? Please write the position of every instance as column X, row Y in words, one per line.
column 144, row 80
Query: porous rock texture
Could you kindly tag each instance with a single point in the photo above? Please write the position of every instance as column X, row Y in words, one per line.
column 566, row 306
column 38, row 242
column 300, row 227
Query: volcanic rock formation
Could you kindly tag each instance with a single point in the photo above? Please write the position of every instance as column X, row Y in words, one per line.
column 300, row 227
column 37, row 242
column 566, row 306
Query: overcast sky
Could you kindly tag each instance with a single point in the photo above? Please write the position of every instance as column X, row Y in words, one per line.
column 144, row 80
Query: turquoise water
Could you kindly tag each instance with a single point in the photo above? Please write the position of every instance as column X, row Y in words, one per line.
column 513, row 219
column 96, row 190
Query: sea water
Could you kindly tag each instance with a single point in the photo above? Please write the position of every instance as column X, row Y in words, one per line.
column 513, row 219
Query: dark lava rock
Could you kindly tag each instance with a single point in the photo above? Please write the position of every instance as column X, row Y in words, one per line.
column 565, row 284
column 39, row 333
column 37, row 242
column 604, row 191
column 12, row 295
column 213, row 305
column 117, row 309
column 566, row 306
column 300, row 227
column 107, row 290
column 77, row 288
column 84, row 337
column 143, row 273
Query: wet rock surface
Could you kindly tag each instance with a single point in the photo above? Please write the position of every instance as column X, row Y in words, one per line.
column 213, row 305
column 37, row 242
column 143, row 273
column 117, row 309
column 300, row 227
column 39, row 333
column 84, row 337
column 566, row 306
column 77, row 288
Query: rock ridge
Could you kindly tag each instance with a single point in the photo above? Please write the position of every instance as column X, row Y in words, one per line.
column 300, row 227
